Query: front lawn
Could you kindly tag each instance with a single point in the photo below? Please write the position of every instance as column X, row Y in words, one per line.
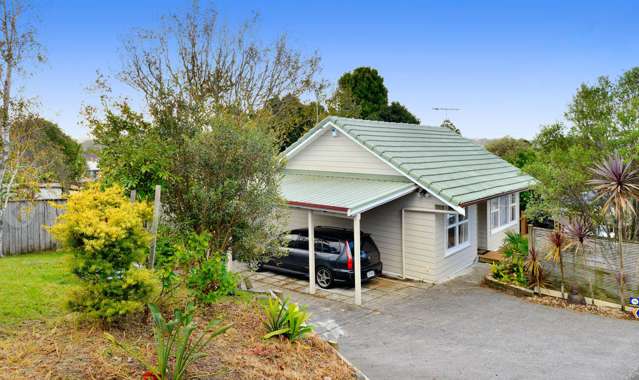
column 33, row 290
column 34, row 286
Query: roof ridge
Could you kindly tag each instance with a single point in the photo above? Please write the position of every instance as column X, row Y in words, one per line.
column 333, row 117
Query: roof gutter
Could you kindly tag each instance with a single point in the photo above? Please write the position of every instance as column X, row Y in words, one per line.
column 315, row 206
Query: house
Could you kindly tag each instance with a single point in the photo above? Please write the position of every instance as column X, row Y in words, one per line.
column 429, row 197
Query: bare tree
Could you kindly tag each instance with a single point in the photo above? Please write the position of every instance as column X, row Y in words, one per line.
column 194, row 64
column 17, row 45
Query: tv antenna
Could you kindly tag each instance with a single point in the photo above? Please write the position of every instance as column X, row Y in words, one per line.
column 446, row 109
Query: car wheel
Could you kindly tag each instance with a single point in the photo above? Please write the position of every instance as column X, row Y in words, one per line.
column 324, row 277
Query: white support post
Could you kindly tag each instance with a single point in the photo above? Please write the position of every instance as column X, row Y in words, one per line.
column 311, row 253
column 357, row 257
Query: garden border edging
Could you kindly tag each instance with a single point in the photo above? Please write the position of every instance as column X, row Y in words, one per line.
column 519, row 291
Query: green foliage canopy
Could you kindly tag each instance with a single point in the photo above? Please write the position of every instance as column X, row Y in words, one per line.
column 603, row 118
column 363, row 94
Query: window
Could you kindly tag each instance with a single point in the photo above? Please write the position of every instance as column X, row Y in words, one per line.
column 494, row 212
column 328, row 246
column 503, row 211
column 292, row 240
column 457, row 231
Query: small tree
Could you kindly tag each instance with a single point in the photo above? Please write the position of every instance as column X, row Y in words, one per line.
column 617, row 182
column 557, row 243
column 105, row 233
column 577, row 231
column 533, row 268
column 227, row 184
column 17, row 45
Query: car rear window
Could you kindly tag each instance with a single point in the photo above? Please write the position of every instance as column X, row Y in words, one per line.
column 328, row 246
column 367, row 246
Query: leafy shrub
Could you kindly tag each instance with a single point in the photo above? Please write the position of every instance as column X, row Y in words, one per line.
column 106, row 235
column 205, row 273
column 287, row 319
column 175, row 349
column 511, row 269
column 211, row 280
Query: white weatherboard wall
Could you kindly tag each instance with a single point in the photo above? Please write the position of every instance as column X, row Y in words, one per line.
column 338, row 154
column 384, row 223
column 425, row 239
column 495, row 237
column 452, row 264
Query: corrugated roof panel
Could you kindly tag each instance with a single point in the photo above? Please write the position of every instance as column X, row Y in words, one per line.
column 340, row 192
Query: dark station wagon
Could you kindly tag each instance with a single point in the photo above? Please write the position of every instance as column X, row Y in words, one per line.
column 333, row 256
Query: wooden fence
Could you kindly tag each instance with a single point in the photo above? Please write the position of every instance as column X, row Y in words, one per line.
column 23, row 227
column 598, row 266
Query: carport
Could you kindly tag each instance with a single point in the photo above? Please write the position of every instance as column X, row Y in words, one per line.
column 344, row 197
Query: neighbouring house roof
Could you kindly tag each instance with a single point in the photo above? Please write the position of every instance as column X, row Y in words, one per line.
column 456, row 170
column 341, row 192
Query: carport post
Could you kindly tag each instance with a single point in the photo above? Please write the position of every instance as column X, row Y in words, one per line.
column 311, row 253
column 358, row 264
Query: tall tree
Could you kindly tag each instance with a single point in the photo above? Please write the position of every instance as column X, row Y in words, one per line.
column 194, row 68
column 602, row 119
column 55, row 156
column 397, row 113
column 363, row 94
column 290, row 118
column 17, row 45
column 518, row 152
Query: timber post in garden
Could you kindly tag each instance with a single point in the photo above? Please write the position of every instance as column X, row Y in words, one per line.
column 155, row 223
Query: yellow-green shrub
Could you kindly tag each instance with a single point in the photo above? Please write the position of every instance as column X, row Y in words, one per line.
column 105, row 233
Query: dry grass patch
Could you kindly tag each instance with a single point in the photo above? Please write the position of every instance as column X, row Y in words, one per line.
column 67, row 350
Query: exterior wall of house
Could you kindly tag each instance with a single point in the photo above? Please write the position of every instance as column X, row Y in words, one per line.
column 384, row 223
column 425, row 252
column 453, row 263
column 338, row 154
column 495, row 237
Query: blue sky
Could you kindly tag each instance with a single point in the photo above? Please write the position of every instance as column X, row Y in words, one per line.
column 511, row 66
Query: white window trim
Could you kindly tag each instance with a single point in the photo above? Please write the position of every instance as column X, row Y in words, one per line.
column 458, row 247
column 510, row 223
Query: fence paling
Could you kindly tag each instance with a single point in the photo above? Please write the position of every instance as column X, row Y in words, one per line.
column 600, row 267
column 23, row 227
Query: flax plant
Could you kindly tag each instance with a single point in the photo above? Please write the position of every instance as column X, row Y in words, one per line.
column 577, row 231
column 617, row 182
column 557, row 243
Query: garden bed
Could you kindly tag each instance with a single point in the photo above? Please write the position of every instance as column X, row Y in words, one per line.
column 60, row 349
column 553, row 298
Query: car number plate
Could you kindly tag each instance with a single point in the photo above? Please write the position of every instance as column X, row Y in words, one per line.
column 370, row 273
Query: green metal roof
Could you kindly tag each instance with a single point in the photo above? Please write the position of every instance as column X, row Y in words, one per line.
column 451, row 167
column 341, row 193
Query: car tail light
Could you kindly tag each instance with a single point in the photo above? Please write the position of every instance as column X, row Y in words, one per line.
column 349, row 257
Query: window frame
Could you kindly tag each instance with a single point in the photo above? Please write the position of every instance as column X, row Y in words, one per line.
column 511, row 213
column 459, row 246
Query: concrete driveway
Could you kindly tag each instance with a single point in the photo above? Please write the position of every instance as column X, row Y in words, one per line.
column 459, row 330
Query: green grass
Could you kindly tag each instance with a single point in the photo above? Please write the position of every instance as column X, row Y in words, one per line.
column 34, row 286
